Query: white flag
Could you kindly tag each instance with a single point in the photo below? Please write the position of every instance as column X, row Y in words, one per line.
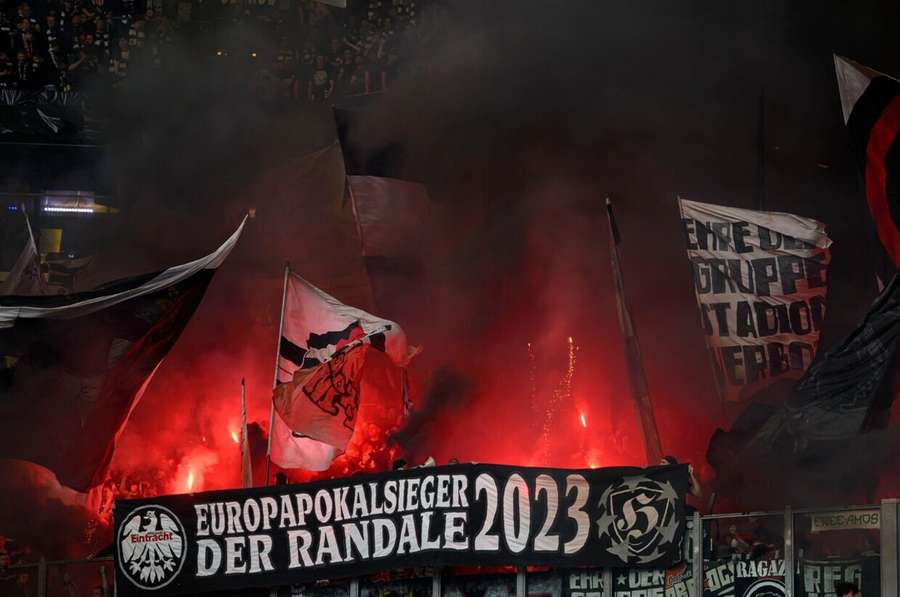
column 760, row 280
column 316, row 326
column 292, row 450
column 26, row 265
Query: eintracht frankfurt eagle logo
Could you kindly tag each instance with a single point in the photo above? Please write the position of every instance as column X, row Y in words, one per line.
column 638, row 519
column 151, row 547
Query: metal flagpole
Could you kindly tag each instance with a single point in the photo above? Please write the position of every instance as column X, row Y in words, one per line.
column 639, row 392
column 287, row 269
column 404, row 390
column 246, row 462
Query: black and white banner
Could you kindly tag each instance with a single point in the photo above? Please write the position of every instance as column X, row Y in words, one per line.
column 749, row 578
column 455, row 515
column 817, row 578
column 678, row 581
column 760, row 280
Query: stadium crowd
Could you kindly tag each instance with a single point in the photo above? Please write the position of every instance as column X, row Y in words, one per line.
column 316, row 51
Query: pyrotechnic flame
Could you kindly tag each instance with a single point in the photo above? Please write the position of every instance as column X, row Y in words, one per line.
column 583, row 420
column 234, row 437
column 190, row 479
column 563, row 392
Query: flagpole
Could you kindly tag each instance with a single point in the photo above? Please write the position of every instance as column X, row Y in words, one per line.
column 404, row 392
column 287, row 269
column 246, row 461
column 637, row 380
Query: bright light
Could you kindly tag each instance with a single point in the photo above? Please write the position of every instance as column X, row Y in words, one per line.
column 583, row 420
column 234, row 437
column 252, row 54
column 190, row 480
column 69, row 210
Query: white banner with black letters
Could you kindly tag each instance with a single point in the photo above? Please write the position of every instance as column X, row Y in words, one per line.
column 455, row 515
column 760, row 280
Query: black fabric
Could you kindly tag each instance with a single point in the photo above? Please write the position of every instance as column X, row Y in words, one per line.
column 892, row 180
column 866, row 113
column 833, row 399
column 744, row 577
column 464, row 515
column 794, row 451
column 67, row 385
column 290, row 351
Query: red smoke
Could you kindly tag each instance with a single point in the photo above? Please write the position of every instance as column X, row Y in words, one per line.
column 518, row 311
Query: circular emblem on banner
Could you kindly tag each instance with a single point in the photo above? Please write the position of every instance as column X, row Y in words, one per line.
column 151, row 547
column 766, row 587
column 638, row 519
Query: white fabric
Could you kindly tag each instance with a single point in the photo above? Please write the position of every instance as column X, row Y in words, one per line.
column 289, row 451
column 852, row 83
column 173, row 275
column 759, row 293
column 307, row 310
column 853, row 80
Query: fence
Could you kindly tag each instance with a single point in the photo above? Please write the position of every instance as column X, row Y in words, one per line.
column 795, row 553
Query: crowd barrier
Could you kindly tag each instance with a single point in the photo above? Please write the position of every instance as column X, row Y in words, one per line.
column 795, row 553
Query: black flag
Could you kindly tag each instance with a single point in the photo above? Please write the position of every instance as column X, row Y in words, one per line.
column 72, row 367
column 846, row 390
column 871, row 106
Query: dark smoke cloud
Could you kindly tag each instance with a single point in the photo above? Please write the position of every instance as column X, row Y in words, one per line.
column 444, row 400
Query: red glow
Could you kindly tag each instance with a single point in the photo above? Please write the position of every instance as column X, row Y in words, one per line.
column 583, row 420
column 190, row 480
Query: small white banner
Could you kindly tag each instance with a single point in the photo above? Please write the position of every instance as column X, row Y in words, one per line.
column 843, row 521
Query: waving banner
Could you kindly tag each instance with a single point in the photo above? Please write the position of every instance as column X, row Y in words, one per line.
column 455, row 515
column 760, row 279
